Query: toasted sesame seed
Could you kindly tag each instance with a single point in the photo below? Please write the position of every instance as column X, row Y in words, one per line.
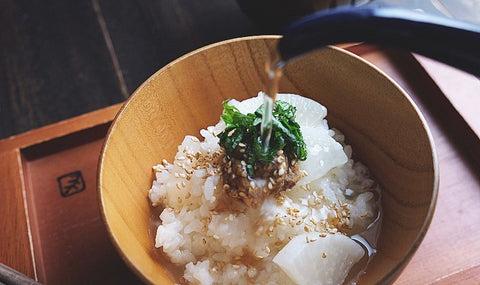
column 324, row 255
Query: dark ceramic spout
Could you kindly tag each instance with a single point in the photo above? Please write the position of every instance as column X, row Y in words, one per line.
column 450, row 41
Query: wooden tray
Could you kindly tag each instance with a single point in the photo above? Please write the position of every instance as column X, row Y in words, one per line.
column 52, row 231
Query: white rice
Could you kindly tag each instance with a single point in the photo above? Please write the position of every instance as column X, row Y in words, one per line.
column 219, row 240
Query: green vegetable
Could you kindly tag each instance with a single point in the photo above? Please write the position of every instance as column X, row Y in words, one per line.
column 241, row 128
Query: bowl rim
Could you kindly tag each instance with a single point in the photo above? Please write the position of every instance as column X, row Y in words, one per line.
column 390, row 276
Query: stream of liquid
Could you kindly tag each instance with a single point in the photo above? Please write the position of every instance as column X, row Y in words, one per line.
column 366, row 239
column 274, row 70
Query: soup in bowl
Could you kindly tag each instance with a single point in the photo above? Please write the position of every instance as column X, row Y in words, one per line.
column 367, row 113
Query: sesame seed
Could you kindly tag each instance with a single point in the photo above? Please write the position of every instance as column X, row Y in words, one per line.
column 324, row 255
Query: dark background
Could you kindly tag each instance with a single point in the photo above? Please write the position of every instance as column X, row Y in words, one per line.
column 60, row 59
column 63, row 58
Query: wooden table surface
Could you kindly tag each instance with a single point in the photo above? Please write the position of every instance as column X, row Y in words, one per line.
column 60, row 59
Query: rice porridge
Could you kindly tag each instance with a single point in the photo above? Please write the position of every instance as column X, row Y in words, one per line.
column 293, row 226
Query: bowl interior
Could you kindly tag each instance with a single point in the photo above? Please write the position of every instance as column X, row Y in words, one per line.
column 383, row 126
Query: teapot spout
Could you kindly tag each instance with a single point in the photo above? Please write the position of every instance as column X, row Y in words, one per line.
column 451, row 41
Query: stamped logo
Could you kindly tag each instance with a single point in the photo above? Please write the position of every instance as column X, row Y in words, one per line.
column 71, row 183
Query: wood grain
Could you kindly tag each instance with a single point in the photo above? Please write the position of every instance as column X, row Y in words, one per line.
column 446, row 254
column 14, row 246
column 62, row 59
column 161, row 31
column 70, row 243
column 54, row 64
column 449, row 250
column 459, row 87
column 382, row 125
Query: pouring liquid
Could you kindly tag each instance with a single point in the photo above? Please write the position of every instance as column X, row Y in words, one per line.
column 274, row 70
column 366, row 239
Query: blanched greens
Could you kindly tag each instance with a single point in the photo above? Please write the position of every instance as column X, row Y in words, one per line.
column 244, row 131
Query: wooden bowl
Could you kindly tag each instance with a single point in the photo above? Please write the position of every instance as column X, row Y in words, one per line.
column 379, row 120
